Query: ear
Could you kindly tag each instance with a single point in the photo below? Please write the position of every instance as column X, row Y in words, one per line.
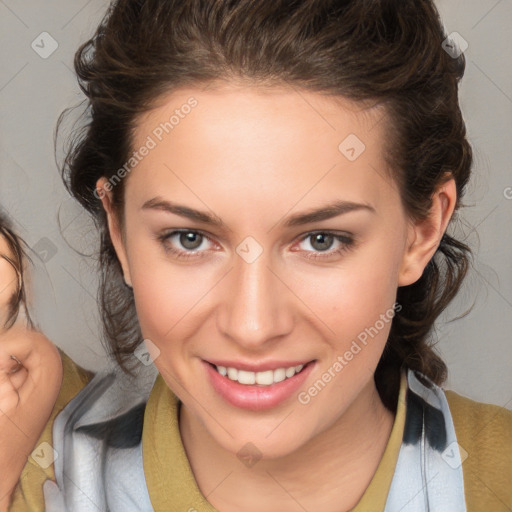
column 104, row 192
column 425, row 236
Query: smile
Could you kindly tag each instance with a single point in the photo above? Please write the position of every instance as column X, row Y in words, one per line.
column 257, row 390
column 265, row 378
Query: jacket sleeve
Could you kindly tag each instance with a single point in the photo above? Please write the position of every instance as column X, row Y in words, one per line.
column 484, row 435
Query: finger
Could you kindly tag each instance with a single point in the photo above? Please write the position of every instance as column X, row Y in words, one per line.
column 44, row 367
column 9, row 396
column 18, row 342
column 37, row 354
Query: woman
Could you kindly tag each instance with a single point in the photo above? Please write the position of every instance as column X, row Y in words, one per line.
column 273, row 183
column 28, row 390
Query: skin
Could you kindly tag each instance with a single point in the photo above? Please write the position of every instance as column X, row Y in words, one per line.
column 253, row 157
column 27, row 397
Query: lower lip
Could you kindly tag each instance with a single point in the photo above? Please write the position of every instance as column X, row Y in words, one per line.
column 256, row 397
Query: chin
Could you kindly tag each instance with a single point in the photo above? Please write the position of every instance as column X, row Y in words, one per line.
column 269, row 442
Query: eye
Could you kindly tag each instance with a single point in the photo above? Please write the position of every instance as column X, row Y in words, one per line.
column 190, row 240
column 322, row 241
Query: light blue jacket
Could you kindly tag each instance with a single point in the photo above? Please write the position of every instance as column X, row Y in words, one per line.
column 99, row 464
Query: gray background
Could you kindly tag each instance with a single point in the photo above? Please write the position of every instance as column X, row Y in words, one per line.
column 34, row 90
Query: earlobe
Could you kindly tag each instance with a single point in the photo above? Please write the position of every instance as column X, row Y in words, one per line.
column 105, row 195
column 424, row 236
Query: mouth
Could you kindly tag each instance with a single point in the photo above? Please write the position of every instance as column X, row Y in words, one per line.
column 257, row 390
column 261, row 378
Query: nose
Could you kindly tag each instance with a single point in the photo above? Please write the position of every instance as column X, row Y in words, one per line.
column 257, row 307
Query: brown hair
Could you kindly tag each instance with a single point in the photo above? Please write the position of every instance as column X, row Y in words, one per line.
column 384, row 52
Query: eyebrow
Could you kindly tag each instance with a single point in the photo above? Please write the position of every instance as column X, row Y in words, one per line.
column 328, row 211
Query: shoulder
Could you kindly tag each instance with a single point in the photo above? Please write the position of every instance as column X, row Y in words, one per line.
column 484, row 435
column 487, row 424
column 28, row 494
column 104, row 421
column 477, row 412
column 74, row 379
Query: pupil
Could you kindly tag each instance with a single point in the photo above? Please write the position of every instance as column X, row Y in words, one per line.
column 188, row 238
column 322, row 238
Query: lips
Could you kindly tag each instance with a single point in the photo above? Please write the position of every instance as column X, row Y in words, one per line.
column 252, row 395
column 263, row 378
column 261, row 367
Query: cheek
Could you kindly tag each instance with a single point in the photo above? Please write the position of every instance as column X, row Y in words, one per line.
column 165, row 296
column 356, row 302
column 352, row 296
column 8, row 281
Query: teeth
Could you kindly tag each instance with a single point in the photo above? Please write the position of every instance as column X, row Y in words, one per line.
column 279, row 375
column 290, row 372
column 265, row 378
column 246, row 377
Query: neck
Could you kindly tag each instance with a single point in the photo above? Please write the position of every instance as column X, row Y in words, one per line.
column 330, row 472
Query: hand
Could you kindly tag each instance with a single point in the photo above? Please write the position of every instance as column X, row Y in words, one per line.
column 30, row 380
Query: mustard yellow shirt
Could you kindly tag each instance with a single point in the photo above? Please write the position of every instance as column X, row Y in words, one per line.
column 171, row 483
column 484, row 431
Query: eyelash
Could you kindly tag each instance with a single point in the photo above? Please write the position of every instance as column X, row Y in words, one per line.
column 347, row 243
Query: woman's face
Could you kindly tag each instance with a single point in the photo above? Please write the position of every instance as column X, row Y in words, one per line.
column 8, row 279
column 255, row 280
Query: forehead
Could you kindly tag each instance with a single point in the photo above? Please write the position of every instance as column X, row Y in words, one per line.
column 261, row 142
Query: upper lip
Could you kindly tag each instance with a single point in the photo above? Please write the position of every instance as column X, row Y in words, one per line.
column 256, row 367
